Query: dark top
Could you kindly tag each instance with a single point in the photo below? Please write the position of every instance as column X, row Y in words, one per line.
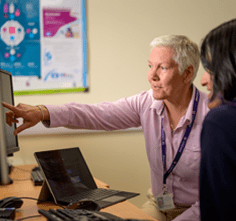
column 218, row 164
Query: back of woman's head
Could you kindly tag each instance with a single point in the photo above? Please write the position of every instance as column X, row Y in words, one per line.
column 218, row 56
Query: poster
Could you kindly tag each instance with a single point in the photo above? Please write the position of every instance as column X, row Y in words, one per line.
column 43, row 44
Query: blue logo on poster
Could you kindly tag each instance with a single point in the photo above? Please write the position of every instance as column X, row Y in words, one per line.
column 47, row 57
column 48, row 33
column 55, row 75
column 12, row 58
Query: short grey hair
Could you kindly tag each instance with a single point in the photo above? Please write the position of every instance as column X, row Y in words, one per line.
column 186, row 51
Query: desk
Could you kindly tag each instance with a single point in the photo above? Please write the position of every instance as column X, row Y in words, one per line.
column 24, row 187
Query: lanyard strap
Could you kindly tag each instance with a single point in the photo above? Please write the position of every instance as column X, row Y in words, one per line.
column 183, row 142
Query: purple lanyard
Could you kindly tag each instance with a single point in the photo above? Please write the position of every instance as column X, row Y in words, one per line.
column 183, row 142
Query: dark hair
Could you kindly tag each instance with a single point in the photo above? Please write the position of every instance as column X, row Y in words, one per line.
column 218, row 56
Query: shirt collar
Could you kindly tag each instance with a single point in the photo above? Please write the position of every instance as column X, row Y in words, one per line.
column 189, row 113
column 158, row 105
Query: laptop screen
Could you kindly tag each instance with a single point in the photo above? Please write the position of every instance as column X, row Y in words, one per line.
column 66, row 171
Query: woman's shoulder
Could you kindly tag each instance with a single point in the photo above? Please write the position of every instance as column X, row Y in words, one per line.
column 223, row 114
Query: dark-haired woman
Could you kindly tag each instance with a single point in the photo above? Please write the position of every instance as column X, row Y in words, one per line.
column 218, row 136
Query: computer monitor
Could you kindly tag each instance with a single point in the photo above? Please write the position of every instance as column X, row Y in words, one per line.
column 8, row 141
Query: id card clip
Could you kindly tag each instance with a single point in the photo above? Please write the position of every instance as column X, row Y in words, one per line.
column 164, row 189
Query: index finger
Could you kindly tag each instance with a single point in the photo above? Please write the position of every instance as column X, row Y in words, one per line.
column 9, row 106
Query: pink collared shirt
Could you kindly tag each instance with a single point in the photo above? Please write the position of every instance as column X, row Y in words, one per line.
column 143, row 110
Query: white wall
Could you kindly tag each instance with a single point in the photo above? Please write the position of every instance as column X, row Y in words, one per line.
column 119, row 33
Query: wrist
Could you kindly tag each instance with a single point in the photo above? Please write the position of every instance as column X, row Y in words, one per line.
column 40, row 108
column 44, row 112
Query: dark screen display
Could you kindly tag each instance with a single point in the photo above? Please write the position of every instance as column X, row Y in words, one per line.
column 66, row 171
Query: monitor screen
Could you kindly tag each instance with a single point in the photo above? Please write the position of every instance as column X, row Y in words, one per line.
column 8, row 141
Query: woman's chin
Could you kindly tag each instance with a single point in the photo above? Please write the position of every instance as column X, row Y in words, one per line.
column 216, row 102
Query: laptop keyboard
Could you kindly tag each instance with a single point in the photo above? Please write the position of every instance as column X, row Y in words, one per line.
column 95, row 194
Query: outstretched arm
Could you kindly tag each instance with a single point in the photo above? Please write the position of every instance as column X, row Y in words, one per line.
column 31, row 115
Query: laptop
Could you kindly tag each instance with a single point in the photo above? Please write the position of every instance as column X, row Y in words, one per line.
column 68, row 180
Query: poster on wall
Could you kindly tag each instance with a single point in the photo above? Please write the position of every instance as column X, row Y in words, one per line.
column 43, row 44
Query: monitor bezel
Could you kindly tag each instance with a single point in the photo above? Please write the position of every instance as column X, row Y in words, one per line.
column 13, row 103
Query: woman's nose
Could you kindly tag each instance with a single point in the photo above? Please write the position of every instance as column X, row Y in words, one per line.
column 204, row 79
column 153, row 75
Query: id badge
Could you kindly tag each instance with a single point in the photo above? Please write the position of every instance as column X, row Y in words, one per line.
column 165, row 201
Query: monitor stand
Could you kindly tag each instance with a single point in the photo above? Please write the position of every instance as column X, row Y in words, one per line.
column 9, row 182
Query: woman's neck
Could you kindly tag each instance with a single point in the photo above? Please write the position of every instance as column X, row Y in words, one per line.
column 177, row 108
column 180, row 103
